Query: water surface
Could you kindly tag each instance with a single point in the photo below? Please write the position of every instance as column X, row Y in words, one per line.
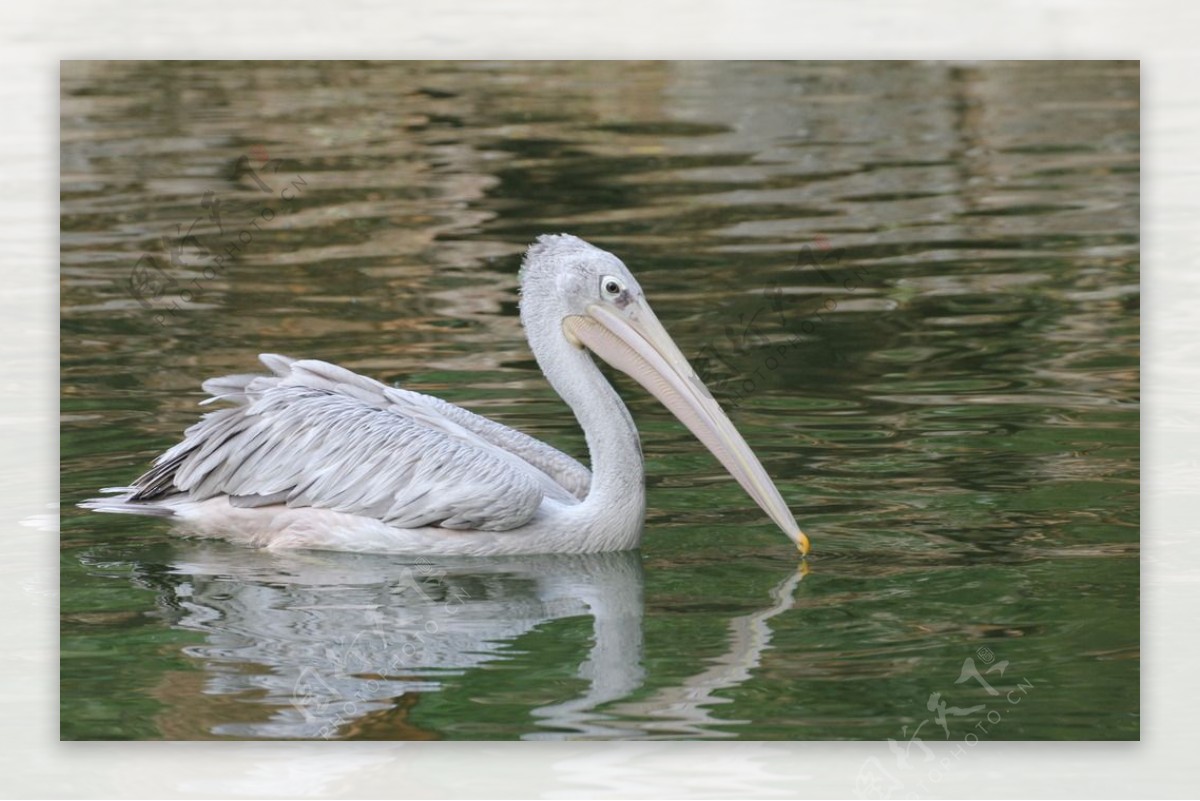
column 914, row 286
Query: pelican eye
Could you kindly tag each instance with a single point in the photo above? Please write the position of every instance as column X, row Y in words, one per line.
column 611, row 287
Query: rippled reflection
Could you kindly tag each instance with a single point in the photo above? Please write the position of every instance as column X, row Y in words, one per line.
column 321, row 645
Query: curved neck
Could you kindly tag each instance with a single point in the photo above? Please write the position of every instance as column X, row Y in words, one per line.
column 616, row 502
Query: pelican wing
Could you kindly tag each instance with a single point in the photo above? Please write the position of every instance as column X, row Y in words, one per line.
column 319, row 435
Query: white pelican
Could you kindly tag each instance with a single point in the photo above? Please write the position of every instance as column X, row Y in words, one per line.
column 316, row 456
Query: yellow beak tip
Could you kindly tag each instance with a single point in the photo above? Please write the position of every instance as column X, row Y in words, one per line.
column 802, row 544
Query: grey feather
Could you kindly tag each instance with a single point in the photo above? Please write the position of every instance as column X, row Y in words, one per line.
column 318, row 435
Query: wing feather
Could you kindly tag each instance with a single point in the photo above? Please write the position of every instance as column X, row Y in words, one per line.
column 315, row 434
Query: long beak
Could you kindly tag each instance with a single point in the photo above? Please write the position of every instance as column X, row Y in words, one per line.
column 635, row 342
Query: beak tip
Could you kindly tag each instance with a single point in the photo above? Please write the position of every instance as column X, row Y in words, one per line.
column 802, row 543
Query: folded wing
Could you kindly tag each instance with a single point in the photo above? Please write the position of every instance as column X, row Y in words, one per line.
column 319, row 435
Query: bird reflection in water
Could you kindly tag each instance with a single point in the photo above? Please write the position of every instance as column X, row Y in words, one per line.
column 319, row 645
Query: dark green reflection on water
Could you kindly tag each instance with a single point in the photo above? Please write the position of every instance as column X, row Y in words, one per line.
column 945, row 388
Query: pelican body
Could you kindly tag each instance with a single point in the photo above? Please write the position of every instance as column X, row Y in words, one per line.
column 316, row 456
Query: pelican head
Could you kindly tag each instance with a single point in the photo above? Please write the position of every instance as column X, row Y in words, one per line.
column 588, row 296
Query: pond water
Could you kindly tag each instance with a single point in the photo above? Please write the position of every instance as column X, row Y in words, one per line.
column 914, row 286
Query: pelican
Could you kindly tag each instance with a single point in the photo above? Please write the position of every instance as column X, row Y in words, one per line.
column 316, row 456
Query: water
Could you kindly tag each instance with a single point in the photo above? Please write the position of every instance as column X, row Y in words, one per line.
column 915, row 286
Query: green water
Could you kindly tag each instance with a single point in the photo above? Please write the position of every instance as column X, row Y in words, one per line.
column 915, row 286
